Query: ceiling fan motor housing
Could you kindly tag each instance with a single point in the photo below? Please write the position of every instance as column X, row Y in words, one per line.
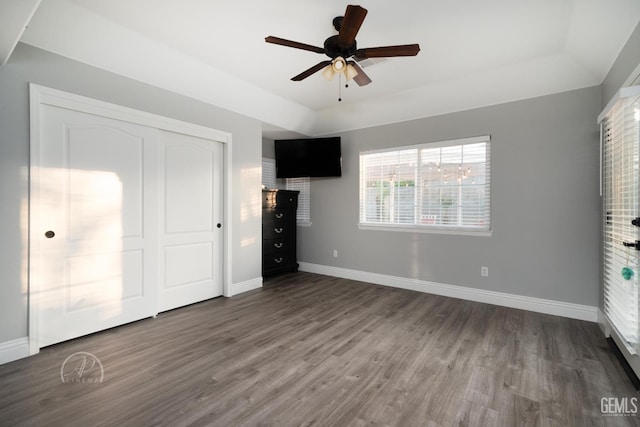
column 333, row 48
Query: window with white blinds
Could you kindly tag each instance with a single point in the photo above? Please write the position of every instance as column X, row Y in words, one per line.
column 620, row 129
column 441, row 186
column 300, row 184
column 269, row 173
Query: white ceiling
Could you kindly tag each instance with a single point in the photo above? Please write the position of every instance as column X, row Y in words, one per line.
column 473, row 53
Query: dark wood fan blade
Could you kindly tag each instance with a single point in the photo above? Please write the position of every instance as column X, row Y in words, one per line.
column 297, row 45
column 303, row 75
column 388, row 51
column 361, row 79
column 353, row 19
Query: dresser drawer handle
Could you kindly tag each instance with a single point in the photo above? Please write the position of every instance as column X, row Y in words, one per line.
column 278, row 245
column 279, row 215
column 278, row 260
column 278, row 230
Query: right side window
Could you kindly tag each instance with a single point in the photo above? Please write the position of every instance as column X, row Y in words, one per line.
column 436, row 187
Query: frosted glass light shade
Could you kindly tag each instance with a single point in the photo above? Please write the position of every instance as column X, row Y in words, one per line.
column 328, row 72
column 350, row 72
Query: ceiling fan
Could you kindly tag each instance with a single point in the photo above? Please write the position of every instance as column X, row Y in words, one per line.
column 342, row 47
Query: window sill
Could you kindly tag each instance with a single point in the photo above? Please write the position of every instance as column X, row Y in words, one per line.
column 414, row 229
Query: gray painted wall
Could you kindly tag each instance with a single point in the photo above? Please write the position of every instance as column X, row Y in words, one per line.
column 268, row 150
column 545, row 203
column 29, row 64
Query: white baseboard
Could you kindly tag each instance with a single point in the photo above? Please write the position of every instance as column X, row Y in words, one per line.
column 14, row 350
column 539, row 305
column 247, row 285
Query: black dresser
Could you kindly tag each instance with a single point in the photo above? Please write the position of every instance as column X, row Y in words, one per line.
column 279, row 231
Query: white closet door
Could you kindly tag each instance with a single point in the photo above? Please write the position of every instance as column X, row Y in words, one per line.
column 190, row 220
column 95, row 180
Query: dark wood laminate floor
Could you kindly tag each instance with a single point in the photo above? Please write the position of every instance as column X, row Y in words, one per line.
column 315, row 350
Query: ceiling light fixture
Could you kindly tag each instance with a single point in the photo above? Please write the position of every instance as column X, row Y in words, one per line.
column 339, row 66
column 350, row 73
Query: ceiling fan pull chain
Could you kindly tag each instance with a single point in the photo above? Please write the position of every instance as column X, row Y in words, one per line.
column 340, row 87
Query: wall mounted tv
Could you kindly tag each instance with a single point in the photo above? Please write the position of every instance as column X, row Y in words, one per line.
column 312, row 157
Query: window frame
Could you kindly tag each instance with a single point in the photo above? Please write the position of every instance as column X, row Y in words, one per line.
column 426, row 228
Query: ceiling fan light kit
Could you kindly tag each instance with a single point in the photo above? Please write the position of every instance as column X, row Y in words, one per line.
column 341, row 47
column 339, row 65
column 350, row 72
column 328, row 72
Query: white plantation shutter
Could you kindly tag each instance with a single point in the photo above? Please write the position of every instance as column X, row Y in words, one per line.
column 621, row 202
column 443, row 186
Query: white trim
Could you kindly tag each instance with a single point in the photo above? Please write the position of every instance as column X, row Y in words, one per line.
column 35, row 211
column 625, row 92
column 14, row 350
column 58, row 98
column 434, row 144
column 634, row 78
column 247, row 285
column 414, row 228
column 610, row 331
column 600, row 159
column 539, row 305
column 40, row 95
column 228, row 218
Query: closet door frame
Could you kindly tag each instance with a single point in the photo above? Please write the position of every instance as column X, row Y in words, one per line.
column 40, row 96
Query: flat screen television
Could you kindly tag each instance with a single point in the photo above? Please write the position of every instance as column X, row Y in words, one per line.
column 312, row 157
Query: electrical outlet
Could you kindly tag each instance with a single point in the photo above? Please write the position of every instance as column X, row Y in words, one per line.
column 484, row 271
column 335, row 253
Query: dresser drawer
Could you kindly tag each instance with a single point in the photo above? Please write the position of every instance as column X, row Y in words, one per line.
column 269, row 199
column 278, row 245
column 287, row 199
column 281, row 198
column 277, row 229
column 279, row 261
column 277, row 214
